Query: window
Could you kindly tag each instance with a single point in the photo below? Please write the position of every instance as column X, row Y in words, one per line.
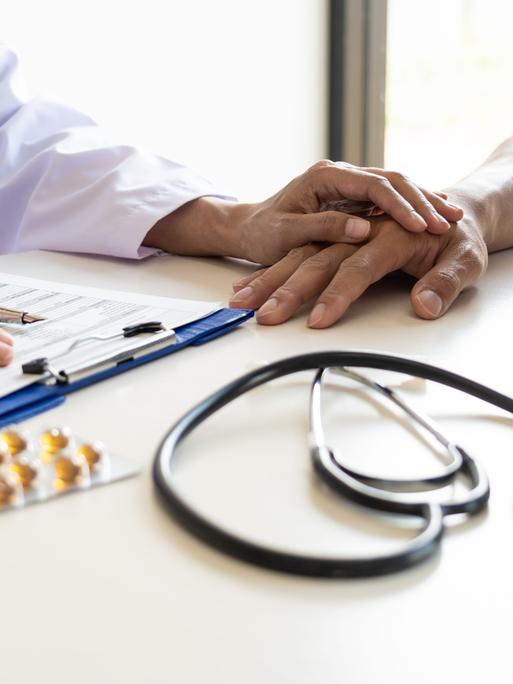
column 446, row 69
column 449, row 78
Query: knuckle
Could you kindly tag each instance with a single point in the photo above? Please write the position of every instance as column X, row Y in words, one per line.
column 419, row 203
column 355, row 276
column 474, row 258
column 449, row 281
column 263, row 283
column 327, row 260
column 280, row 234
column 300, row 253
column 328, row 220
column 289, row 296
column 359, row 263
column 482, row 260
column 277, row 229
column 321, row 164
column 380, row 182
column 320, row 262
column 296, row 253
column 345, row 165
column 468, row 263
column 358, row 273
column 322, row 172
column 398, row 177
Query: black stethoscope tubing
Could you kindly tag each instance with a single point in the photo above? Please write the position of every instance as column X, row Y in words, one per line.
column 414, row 551
column 440, row 479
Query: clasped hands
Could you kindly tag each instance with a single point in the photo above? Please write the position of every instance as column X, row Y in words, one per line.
column 331, row 257
column 413, row 235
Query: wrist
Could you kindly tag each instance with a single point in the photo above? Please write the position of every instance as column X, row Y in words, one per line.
column 478, row 210
column 206, row 226
column 485, row 196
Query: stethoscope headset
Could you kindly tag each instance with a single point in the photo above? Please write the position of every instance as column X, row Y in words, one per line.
column 377, row 493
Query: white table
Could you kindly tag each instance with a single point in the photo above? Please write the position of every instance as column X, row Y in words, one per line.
column 104, row 587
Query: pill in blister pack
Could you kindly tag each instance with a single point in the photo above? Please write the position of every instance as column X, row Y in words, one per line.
column 55, row 462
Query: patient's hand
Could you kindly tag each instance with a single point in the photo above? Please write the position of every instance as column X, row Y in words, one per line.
column 6, row 351
column 338, row 274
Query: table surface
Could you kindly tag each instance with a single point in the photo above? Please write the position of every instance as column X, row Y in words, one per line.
column 103, row 586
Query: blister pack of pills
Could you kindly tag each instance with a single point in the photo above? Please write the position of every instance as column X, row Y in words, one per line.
column 36, row 468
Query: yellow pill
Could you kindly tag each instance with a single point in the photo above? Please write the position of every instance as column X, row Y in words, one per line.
column 27, row 469
column 69, row 469
column 93, row 452
column 55, row 439
column 15, row 441
column 9, row 489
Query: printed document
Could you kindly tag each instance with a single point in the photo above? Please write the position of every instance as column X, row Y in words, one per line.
column 74, row 312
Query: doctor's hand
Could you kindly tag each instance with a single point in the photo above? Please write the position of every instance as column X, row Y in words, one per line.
column 266, row 231
column 336, row 275
column 6, row 350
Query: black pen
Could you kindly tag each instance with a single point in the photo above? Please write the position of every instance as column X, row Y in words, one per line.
column 20, row 317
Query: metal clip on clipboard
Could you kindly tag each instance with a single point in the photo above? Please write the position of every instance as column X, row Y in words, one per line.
column 45, row 367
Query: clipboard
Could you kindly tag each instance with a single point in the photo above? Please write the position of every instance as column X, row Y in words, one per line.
column 41, row 396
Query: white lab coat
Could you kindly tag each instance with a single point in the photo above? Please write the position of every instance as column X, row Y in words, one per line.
column 64, row 187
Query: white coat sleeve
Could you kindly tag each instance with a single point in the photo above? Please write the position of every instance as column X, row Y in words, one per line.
column 64, row 187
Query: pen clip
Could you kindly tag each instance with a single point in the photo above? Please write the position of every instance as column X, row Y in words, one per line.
column 13, row 316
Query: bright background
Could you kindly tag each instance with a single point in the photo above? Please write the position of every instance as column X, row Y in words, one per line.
column 238, row 89
column 449, row 85
column 235, row 89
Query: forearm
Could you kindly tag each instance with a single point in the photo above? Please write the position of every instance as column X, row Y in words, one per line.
column 487, row 197
column 204, row 227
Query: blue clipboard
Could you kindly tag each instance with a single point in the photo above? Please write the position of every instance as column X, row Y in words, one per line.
column 39, row 397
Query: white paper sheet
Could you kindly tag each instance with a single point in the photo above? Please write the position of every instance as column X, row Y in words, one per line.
column 73, row 312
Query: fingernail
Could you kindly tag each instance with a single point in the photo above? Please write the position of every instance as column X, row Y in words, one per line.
column 242, row 295
column 431, row 302
column 443, row 222
column 419, row 220
column 357, row 228
column 317, row 315
column 269, row 307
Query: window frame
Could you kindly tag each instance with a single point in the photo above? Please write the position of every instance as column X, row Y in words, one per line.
column 357, row 81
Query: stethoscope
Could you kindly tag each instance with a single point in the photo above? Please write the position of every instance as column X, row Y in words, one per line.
column 403, row 497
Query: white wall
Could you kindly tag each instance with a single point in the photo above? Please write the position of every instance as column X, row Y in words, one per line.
column 234, row 88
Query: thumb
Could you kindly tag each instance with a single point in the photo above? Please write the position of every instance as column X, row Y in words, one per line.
column 458, row 267
column 328, row 226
